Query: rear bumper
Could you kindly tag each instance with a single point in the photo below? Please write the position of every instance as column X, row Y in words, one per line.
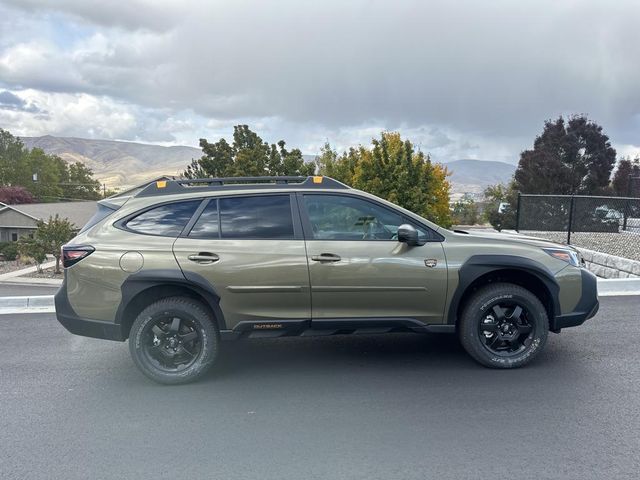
column 83, row 326
column 587, row 306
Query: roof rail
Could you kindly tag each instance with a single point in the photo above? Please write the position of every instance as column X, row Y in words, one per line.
column 187, row 185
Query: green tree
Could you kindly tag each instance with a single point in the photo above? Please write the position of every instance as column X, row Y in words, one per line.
column 52, row 234
column 79, row 183
column 54, row 178
column 12, row 152
column 249, row 155
column 497, row 195
column 573, row 157
column 393, row 170
column 341, row 167
column 626, row 176
column 49, row 170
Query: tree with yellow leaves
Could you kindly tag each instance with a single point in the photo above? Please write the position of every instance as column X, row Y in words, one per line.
column 393, row 170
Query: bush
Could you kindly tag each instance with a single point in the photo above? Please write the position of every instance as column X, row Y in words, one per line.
column 495, row 195
column 32, row 249
column 465, row 211
column 10, row 251
column 52, row 234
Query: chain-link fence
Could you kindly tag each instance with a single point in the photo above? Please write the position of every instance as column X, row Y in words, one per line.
column 604, row 224
column 633, row 188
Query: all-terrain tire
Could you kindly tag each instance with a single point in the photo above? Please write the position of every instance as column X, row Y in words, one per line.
column 199, row 319
column 481, row 304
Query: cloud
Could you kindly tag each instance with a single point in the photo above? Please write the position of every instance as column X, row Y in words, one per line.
column 132, row 14
column 10, row 101
column 466, row 78
column 75, row 115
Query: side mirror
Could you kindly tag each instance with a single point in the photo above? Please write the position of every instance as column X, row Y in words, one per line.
column 409, row 235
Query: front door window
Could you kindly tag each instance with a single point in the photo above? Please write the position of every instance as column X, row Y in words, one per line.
column 341, row 217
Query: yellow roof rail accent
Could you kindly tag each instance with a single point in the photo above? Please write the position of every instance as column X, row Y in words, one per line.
column 161, row 184
column 317, row 179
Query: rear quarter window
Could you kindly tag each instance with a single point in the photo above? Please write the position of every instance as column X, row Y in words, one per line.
column 166, row 220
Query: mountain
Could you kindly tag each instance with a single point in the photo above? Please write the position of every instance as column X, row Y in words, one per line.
column 473, row 176
column 118, row 164
column 124, row 164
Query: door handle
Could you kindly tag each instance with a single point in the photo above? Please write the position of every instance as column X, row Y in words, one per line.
column 204, row 258
column 326, row 257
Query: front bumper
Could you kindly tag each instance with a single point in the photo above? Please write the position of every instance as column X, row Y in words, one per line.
column 587, row 306
column 83, row 326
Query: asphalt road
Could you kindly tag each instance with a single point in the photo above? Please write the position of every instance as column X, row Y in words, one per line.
column 370, row 407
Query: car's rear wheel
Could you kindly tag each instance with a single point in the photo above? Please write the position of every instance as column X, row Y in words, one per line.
column 174, row 340
column 503, row 326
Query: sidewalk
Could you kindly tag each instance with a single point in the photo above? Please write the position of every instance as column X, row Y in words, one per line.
column 16, row 276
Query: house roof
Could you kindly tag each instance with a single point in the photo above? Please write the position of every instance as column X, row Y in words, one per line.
column 78, row 213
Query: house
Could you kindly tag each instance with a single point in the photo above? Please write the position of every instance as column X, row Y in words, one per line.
column 18, row 221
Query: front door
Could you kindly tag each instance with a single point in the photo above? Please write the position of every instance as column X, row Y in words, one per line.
column 250, row 249
column 358, row 269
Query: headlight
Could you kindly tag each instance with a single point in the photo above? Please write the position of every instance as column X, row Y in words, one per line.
column 569, row 256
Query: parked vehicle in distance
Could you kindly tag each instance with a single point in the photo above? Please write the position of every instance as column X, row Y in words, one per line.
column 181, row 265
column 606, row 213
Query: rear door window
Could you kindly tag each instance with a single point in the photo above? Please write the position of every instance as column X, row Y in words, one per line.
column 256, row 217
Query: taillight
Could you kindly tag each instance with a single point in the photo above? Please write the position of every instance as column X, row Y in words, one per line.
column 72, row 254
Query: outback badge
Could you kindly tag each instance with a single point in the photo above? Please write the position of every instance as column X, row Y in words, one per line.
column 267, row 326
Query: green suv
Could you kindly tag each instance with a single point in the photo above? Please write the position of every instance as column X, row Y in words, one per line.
column 178, row 266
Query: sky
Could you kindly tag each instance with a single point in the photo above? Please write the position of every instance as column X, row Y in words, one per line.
column 461, row 79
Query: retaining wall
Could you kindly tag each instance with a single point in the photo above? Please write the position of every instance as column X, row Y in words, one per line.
column 610, row 266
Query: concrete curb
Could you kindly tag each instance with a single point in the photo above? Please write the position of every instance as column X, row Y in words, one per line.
column 31, row 304
column 610, row 287
column 33, row 281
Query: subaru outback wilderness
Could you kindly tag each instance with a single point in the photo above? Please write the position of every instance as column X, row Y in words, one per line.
column 179, row 266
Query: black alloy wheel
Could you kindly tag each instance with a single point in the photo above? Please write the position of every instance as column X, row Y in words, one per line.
column 503, row 325
column 506, row 328
column 174, row 340
column 172, row 343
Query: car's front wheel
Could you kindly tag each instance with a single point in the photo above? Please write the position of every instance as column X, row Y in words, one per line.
column 174, row 340
column 503, row 326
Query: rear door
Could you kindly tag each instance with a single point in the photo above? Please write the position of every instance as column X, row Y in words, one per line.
column 359, row 270
column 250, row 248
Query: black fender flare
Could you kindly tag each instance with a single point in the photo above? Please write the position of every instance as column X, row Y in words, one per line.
column 137, row 283
column 478, row 265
